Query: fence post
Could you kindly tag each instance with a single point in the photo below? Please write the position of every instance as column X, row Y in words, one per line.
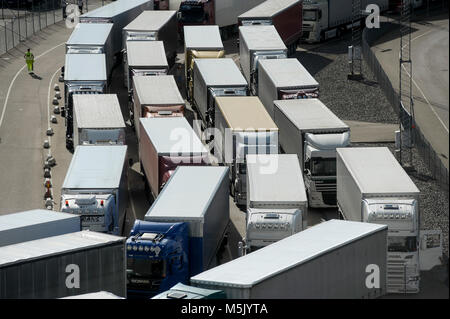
column 18, row 16
column 32, row 15
column 40, row 25
column 54, row 8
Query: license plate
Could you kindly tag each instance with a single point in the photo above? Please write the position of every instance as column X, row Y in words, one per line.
column 92, row 219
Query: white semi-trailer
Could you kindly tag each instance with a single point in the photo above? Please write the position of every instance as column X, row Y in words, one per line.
column 84, row 74
column 372, row 187
column 328, row 260
column 212, row 78
column 277, row 205
column 324, row 19
column 160, row 25
column 65, row 265
column 310, row 130
column 255, row 44
column 284, row 79
column 93, row 38
column 97, row 120
column 120, row 13
column 95, row 187
column 35, row 224
column 144, row 58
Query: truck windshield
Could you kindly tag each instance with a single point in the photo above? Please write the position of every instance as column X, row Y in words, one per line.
column 323, row 166
column 402, row 244
column 191, row 14
column 309, row 15
column 148, row 268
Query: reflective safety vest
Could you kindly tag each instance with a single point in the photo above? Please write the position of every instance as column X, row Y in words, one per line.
column 29, row 56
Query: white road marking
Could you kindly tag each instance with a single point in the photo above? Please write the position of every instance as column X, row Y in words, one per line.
column 418, row 87
column 15, row 77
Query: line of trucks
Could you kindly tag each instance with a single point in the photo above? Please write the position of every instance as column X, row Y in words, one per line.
column 178, row 242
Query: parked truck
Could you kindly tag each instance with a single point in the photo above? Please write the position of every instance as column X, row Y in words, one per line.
column 155, row 96
column 310, row 130
column 223, row 13
column 372, row 187
column 164, row 144
column 180, row 291
column 95, row 187
column 154, row 26
column 182, row 231
column 120, row 13
column 84, row 74
column 98, row 120
column 325, row 19
column 200, row 42
column 244, row 127
column 285, row 15
column 328, row 260
column 35, row 224
column 93, row 39
column 284, row 79
column 47, row 268
column 277, row 206
column 144, row 58
column 258, row 43
column 212, row 78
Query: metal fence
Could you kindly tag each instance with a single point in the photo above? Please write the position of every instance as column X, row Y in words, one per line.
column 21, row 19
column 432, row 160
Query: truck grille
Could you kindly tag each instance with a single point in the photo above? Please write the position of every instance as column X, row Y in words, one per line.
column 307, row 28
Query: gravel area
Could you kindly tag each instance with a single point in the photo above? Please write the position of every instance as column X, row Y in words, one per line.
column 349, row 100
column 365, row 101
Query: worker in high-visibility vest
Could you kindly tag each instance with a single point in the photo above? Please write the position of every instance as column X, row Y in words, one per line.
column 29, row 58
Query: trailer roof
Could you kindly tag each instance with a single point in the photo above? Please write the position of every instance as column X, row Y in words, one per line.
column 114, row 8
column 287, row 73
column 188, row 193
column 205, row 37
column 150, row 20
column 98, row 111
column 261, row 38
column 85, row 67
column 310, row 114
column 279, row 257
column 157, row 90
column 50, row 246
column 268, row 9
column 275, row 178
column 245, row 113
column 96, row 167
column 220, row 72
column 90, row 33
column 376, row 170
column 172, row 135
column 95, row 295
column 31, row 217
column 146, row 54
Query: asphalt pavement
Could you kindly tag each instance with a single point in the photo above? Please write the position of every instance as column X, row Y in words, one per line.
column 430, row 60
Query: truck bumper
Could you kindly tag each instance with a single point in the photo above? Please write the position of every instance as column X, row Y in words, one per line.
column 322, row 199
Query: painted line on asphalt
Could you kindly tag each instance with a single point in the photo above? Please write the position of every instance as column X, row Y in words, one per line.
column 418, row 87
column 14, row 79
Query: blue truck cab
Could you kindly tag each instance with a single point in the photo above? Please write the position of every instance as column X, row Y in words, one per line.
column 157, row 257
